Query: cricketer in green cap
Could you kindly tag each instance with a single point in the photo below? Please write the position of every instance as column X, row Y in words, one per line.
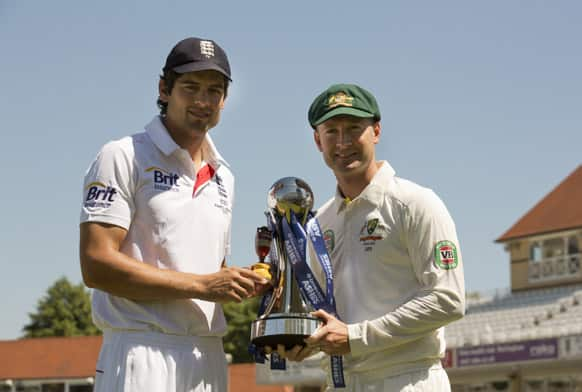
column 395, row 257
column 348, row 99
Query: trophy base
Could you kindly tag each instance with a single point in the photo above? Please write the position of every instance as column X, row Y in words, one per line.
column 288, row 329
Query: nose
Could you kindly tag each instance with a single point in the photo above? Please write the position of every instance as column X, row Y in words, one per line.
column 344, row 139
column 202, row 98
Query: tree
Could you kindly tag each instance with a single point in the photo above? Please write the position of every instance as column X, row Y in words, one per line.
column 239, row 317
column 65, row 310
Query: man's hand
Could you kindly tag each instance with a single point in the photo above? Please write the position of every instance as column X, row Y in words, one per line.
column 230, row 284
column 331, row 337
column 296, row 354
column 264, row 270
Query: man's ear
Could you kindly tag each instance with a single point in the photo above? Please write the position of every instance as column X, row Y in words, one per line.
column 317, row 140
column 163, row 90
column 377, row 131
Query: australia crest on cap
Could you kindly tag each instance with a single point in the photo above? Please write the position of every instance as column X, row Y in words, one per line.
column 339, row 99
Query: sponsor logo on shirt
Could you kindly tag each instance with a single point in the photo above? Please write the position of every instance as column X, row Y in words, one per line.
column 221, row 189
column 223, row 201
column 99, row 195
column 164, row 180
column 223, row 205
column 445, row 255
column 371, row 232
column 367, row 232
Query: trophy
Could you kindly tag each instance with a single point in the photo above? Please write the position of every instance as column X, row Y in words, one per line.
column 284, row 314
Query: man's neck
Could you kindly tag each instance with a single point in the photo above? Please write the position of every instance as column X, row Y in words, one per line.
column 191, row 141
column 352, row 186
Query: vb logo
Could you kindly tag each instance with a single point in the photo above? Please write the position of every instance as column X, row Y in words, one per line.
column 445, row 255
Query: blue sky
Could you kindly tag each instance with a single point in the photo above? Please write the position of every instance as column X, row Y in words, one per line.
column 481, row 102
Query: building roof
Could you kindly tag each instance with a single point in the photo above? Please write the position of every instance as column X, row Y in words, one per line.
column 49, row 358
column 75, row 357
column 561, row 209
column 242, row 378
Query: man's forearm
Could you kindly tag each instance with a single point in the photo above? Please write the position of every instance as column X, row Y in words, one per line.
column 407, row 323
column 123, row 276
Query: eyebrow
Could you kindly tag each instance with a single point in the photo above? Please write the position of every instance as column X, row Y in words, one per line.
column 187, row 81
column 349, row 123
column 195, row 82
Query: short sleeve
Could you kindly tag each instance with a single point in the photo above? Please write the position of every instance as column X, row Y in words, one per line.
column 109, row 186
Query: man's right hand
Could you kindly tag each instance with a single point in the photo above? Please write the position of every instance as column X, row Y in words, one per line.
column 230, row 284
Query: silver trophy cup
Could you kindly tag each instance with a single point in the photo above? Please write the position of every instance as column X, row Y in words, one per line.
column 285, row 319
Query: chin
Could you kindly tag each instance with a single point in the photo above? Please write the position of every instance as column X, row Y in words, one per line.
column 351, row 166
column 198, row 126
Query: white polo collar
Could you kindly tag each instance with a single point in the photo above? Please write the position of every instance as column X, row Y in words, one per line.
column 161, row 137
column 373, row 192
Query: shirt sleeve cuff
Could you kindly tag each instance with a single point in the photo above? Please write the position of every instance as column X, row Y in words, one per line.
column 356, row 339
column 113, row 220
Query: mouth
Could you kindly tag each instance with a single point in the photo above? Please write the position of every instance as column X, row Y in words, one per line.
column 345, row 157
column 199, row 114
column 346, row 160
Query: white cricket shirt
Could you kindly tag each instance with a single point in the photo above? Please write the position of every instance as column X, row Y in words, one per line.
column 176, row 219
column 398, row 274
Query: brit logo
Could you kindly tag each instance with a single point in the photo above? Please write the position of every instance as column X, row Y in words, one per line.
column 163, row 179
column 207, row 48
column 99, row 195
column 445, row 255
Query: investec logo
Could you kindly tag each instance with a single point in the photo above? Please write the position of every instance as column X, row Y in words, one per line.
column 99, row 195
column 163, row 179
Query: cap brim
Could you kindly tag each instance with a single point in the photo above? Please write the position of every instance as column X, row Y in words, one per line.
column 346, row 110
column 200, row 66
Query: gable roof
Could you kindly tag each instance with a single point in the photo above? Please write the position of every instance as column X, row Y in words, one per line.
column 561, row 209
column 55, row 357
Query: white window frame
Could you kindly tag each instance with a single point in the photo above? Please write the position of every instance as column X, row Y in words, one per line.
column 565, row 266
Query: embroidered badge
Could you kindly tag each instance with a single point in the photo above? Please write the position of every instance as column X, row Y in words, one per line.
column 207, row 49
column 445, row 255
column 339, row 99
column 329, row 239
column 370, row 233
column 371, row 225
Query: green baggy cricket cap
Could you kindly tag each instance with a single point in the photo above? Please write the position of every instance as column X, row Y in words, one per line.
column 339, row 99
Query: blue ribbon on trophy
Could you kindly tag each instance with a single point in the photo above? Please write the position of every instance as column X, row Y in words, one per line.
column 284, row 311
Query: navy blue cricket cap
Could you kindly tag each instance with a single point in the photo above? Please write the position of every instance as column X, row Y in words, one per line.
column 197, row 54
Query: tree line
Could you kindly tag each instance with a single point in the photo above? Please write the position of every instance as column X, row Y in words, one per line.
column 65, row 310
